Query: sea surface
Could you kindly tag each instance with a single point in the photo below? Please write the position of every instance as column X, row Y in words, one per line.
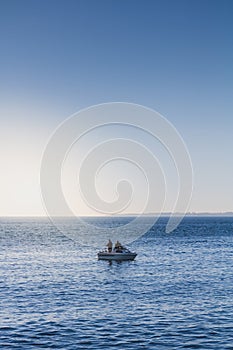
column 177, row 294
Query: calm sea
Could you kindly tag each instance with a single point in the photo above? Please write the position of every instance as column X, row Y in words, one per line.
column 177, row 294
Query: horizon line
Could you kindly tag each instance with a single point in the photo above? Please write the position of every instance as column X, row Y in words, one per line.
column 230, row 213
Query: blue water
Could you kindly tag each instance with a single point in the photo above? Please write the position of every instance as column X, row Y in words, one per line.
column 177, row 294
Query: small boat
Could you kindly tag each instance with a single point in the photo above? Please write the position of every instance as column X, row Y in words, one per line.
column 120, row 255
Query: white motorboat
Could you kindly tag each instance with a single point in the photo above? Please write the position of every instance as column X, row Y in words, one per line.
column 122, row 254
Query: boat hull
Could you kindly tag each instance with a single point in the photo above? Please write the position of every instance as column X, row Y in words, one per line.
column 117, row 256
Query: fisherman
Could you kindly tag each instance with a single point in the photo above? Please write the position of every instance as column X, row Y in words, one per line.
column 118, row 247
column 109, row 245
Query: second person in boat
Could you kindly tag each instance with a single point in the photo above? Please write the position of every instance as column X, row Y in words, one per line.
column 118, row 247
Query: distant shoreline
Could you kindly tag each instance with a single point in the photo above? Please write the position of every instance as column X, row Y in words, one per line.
column 167, row 214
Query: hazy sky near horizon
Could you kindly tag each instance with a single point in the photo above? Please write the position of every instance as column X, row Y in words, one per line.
column 59, row 56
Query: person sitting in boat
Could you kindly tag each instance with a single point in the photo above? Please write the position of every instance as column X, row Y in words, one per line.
column 109, row 245
column 118, row 247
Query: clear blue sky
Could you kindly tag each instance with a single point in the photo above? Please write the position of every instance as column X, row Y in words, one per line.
column 173, row 56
